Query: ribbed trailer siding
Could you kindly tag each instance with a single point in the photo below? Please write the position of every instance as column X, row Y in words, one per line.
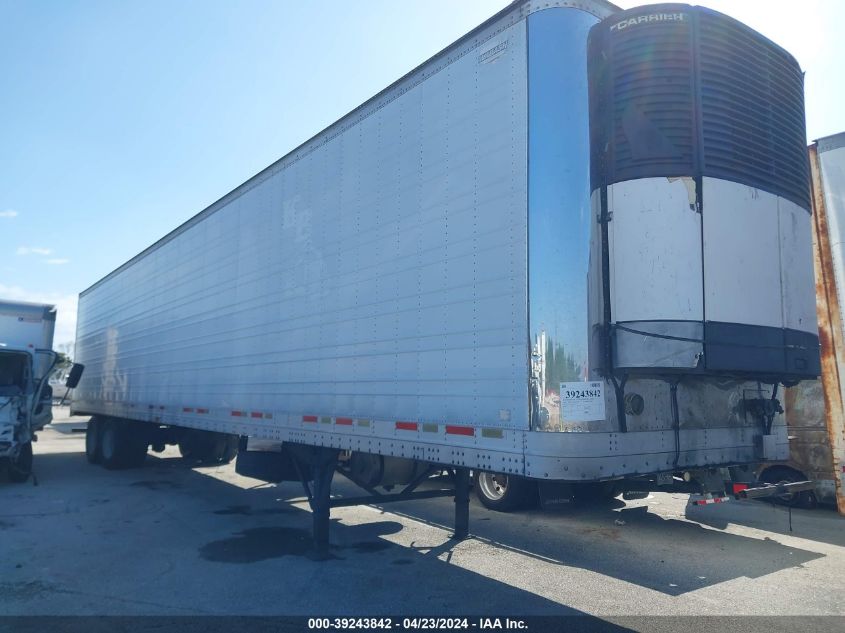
column 420, row 280
column 377, row 273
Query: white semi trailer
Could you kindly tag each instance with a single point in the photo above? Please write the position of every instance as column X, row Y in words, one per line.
column 26, row 362
column 572, row 248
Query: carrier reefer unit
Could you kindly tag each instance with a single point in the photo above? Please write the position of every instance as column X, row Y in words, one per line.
column 574, row 246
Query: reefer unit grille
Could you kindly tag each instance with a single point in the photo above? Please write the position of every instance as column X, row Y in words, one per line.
column 685, row 91
column 752, row 107
column 652, row 105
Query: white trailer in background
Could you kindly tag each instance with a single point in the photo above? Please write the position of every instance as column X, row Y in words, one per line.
column 522, row 258
column 26, row 362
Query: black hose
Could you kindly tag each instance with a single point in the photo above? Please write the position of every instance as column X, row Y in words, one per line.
column 676, row 419
column 619, row 390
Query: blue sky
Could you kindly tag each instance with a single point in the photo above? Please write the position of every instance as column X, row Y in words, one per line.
column 120, row 119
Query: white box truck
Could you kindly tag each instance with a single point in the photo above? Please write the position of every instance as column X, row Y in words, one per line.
column 26, row 362
column 572, row 250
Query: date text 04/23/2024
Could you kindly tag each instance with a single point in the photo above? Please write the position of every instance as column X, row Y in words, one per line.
column 419, row 623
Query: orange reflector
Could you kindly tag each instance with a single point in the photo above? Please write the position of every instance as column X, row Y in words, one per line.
column 406, row 426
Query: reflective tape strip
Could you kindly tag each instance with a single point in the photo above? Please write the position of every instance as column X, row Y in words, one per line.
column 704, row 502
column 363, row 423
column 343, row 421
column 430, row 428
column 459, row 430
column 495, row 433
column 407, row 426
column 256, row 414
column 202, row 410
column 187, row 410
column 238, row 414
column 309, row 418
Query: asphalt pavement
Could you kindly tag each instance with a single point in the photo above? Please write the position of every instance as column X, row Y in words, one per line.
column 168, row 539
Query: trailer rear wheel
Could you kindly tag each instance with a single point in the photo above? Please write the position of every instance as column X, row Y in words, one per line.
column 93, row 441
column 503, row 493
column 121, row 445
column 20, row 466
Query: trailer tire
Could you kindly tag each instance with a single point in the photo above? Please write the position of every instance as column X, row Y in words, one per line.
column 20, row 468
column 504, row 493
column 93, row 441
column 111, row 440
column 122, row 445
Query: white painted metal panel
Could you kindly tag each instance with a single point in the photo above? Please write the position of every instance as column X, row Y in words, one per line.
column 742, row 281
column 379, row 276
column 655, row 251
column 798, row 284
column 26, row 326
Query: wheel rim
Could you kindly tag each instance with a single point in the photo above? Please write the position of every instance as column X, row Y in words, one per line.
column 494, row 486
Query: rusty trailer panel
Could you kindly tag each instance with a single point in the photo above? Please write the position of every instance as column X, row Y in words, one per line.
column 809, row 446
column 825, row 454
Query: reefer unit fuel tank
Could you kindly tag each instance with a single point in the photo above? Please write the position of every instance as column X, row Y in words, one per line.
column 699, row 176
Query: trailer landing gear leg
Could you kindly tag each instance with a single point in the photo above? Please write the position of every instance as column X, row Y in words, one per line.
column 461, row 504
column 322, row 471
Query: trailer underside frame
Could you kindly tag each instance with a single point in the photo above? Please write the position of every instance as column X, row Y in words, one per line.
column 317, row 479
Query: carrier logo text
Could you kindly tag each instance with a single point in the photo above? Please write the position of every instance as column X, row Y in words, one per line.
column 651, row 17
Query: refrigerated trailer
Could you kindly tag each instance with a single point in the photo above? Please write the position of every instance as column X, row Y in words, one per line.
column 574, row 247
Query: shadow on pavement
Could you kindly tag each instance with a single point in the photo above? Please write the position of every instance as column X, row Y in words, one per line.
column 175, row 532
column 821, row 524
column 668, row 555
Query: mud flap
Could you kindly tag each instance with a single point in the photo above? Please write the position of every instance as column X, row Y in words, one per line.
column 555, row 495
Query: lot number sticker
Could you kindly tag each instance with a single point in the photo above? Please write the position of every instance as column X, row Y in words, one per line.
column 581, row 401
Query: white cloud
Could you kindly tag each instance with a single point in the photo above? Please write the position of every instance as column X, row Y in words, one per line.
column 33, row 250
column 57, row 262
column 65, row 308
column 8, row 213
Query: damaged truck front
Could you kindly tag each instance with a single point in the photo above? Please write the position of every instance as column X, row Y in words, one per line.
column 26, row 363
